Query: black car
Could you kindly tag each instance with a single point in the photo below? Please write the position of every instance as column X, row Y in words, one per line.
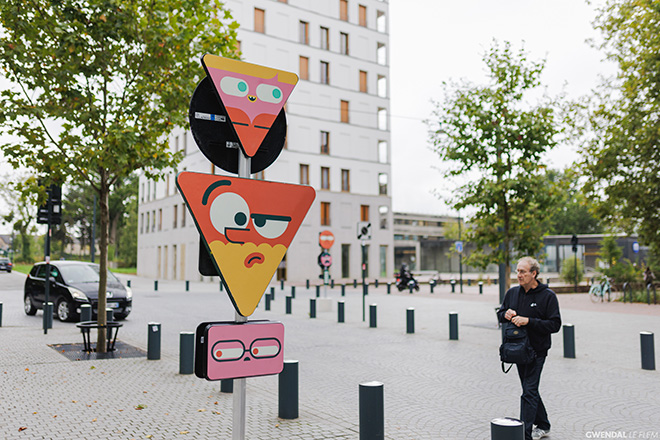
column 5, row 264
column 72, row 284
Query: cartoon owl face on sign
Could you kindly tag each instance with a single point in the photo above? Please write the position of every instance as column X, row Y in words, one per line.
column 253, row 96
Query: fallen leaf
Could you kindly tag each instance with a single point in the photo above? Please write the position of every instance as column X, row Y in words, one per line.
column 27, row 369
column 55, row 416
column 34, row 412
column 120, row 410
column 277, row 425
column 22, row 428
column 149, row 436
column 140, row 406
column 184, row 432
column 144, row 392
column 74, row 401
column 201, row 410
column 92, row 367
column 215, row 403
column 94, row 420
column 217, row 412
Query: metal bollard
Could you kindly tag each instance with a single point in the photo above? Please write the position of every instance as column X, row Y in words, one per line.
column 156, row 285
column 481, row 287
column 340, row 311
column 372, row 411
column 373, row 315
column 469, row 282
column 312, row 307
column 293, row 292
column 410, row 320
column 354, row 283
column 453, row 326
column 432, row 285
column 332, row 284
column 0, row 314
column 227, row 386
column 648, row 350
column 128, row 283
column 288, row 305
column 343, row 290
column 109, row 317
column 389, row 288
column 282, row 284
column 48, row 313
column 221, row 287
column 85, row 312
column 307, row 284
column 507, row 428
column 569, row 341
column 288, row 391
column 267, row 303
column 376, row 283
column 187, row 286
column 411, row 287
column 453, row 286
column 153, row 341
column 186, row 352
column 318, row 291
column 272, row 294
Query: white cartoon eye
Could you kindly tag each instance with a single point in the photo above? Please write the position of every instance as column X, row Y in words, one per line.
column 265, row 348
column 234, row 86
column 268, row 93
column 270, row 226
column 229, row 210
column 228, row 350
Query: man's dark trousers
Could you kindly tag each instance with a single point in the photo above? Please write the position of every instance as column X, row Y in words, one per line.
column 532, row 410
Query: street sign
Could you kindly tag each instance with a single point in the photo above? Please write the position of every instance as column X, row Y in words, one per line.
column 326, row 239
column 635, row 247
column 364, row 231
column 325, row 260
column 459, row 246
column 227, row 350
column 247, row 226
column 574, row 242
column 54, row 195
column 252, row 95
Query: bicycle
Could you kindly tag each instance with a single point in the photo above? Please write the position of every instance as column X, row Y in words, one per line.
column 597, row 291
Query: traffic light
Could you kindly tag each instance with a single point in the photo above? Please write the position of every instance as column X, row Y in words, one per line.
column 55, row 198
column 574, row 242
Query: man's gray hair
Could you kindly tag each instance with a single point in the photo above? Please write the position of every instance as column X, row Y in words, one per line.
column 533, row 264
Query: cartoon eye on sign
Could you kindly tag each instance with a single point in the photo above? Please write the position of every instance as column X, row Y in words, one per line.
column 243, row 350
column 247, row 226
column 253, row 96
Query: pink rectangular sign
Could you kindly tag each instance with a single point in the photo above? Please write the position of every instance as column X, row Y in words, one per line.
column 248, row 349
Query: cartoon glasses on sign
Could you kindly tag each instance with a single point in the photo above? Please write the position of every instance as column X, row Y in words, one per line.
column 234, row 350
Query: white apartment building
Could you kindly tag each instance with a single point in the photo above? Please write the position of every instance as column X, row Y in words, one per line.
column 338, row 140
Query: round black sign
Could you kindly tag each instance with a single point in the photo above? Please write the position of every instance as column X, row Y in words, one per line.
column 216, row 138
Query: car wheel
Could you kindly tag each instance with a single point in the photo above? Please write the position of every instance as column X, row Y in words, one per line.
column 64, row 312
column 121, row 316
column 29, row 308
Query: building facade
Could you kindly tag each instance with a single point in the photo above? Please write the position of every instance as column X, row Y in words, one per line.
column 338, row 140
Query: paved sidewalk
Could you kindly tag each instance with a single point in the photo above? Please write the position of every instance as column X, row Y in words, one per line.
column 435, row 389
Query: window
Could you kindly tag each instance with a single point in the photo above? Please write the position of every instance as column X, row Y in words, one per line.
column 362, row 15
column 346, row 180
column 153, row 221
column 363, row 81
column 183, row 215
column 303, row 28
column 175, row 216
column 142, row 193
column 154, row 195
column 343, row 43
column 345, row 260
column 383, row 261
column 381, row 54
column 259, row 20
column 185, row 143
column 325, row 38
column 176, row 144
column 142, row 222
column 167, row 185
column 382, row 86
column 343, row 10
column 364, row 213
column 146, row 231
column 304, row 174
column 325, row 178
column 325, row 72
column 344, row 111
column 382, row 119
column 325, row 213
column 382, row 151
column 160, row 219
column 383, row 212
column 325, row 142
column 382, row 184
column 304, row 68
column 148, row 190
column 381, row 22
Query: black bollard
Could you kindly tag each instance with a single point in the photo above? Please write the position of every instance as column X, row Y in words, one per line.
column 648, row 351
column 153, row 341
column 312, row 307
column 318, row 291
column 453, row 286
column 0, row 314
column 48, row 312
column 481, row 287
column 376, row 283
column 307, row 284
column 332, row 284
column 372, row 411
column 373, row 317
column 109, row 317
column 340, row 311
column 389, row 288
column 85, row 312
column 411, row 287
column 569, row 341
column 187, row 286
column 288, row 391
column 128, row 283
column 267, row 302
column 156, row 285
column 186, row 352
column 410, row 320
column 343, row 290
column 227, row 386
column 432, row 285
column 453, row 326
column 288, row 305
column 272, row 294
column 469, row 282
column 507, row 429
column 293, row 292
column 354, row 284
column 282, row 284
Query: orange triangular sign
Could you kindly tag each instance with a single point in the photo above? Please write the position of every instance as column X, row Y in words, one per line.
column 247, row 226
column 253, row 96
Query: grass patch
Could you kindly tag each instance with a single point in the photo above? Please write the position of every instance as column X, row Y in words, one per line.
column 22, row 268
column 125, row 270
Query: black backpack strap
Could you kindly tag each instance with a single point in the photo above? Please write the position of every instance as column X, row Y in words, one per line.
column 508, row 369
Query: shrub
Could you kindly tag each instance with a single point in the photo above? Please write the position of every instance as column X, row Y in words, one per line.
column 568, row 270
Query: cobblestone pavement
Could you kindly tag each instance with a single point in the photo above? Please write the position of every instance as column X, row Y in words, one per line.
column 434, row 388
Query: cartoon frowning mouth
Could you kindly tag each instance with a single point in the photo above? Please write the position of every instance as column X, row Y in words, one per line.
column 252, row 98
column 254, row 258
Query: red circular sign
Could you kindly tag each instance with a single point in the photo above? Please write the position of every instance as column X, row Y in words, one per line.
column 326, row 239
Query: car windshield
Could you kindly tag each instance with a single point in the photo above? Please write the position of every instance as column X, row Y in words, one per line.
column 84, row 273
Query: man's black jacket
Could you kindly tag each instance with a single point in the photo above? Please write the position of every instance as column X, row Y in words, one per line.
column 541, row 307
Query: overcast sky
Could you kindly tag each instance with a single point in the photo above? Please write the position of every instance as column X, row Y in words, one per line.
column 436, row 40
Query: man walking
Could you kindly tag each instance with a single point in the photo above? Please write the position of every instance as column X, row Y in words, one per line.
column 535, row 306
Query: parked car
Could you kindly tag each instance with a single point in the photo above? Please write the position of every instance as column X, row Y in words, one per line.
column 72, row 284
column 5, row 264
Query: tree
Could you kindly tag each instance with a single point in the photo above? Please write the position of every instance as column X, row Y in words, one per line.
column 574, row 212
column 99, row 85
column 22, row 215
column 571, row 270
column 622, row 152
column 490, row 136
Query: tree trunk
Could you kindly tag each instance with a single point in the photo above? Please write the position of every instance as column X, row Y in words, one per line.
column 103, row 261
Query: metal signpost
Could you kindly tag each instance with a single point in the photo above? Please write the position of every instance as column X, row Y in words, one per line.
column 246, row 226
column 364, row 234
column 49, row 214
